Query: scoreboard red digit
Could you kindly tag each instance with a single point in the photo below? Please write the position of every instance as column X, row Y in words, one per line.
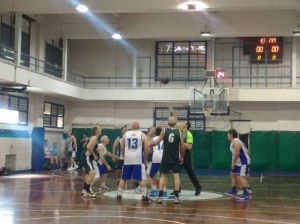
column 264, row 49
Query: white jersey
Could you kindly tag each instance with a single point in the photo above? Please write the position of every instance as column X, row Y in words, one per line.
column 70, row 143
column 157, row 151
column 243, row 158
column 105, row 151
column 134, row 154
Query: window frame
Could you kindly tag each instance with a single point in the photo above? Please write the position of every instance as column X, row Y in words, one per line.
column 172, row 54
column 50, row 115
column 9, row 106
column 50, row 67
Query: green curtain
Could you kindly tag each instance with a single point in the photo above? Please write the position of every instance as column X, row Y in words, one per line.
column 202, row 150
column 221, row 155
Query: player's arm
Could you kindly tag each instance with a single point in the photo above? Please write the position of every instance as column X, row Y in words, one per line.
column 74, row 143
column 122, row 143
column 114, row 148
column 111, row 155
column 90, row 146
column 158, row 140
column 237, row 147
column 172, row 111
column 145, row 145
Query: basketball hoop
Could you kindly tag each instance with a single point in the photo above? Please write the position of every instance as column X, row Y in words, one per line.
column 207, row 111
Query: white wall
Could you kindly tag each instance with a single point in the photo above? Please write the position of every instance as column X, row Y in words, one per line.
column 282, row 116
column 108, row 58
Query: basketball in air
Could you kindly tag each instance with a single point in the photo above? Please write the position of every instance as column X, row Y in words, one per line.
column 164, row 80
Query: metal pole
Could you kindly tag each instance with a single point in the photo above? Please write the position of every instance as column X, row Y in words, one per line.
column 134, row 69
column 294, row 62
column 18, row 37
column 65, row 59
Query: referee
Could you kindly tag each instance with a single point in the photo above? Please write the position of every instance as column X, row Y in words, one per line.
column 188, row 144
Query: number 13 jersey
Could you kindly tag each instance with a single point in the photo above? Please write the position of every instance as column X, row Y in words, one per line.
column 134, row 153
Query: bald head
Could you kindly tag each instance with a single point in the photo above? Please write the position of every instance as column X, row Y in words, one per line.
column 135, row 125
column 172, row 122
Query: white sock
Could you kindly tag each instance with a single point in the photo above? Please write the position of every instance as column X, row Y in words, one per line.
column 139, row 187
column 154, row 188
column 165, row 189
column 120, row 191
column 144, row 191
column 102, row 184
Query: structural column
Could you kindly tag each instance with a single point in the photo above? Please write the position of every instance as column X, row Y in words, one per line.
column 18, row 37
column 134, row 69
column 294, row 62
column 65, row 59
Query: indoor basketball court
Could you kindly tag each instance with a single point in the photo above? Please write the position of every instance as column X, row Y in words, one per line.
column 101, row 100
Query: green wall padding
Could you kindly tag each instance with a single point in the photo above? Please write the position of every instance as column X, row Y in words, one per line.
column 288, row 151
column 263, row 150
column 202, row 150
column 221, row 156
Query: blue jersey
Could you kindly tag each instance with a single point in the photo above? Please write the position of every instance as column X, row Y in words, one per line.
column 53, row 150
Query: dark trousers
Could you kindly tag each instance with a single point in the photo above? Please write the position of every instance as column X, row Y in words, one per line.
column 188, row 168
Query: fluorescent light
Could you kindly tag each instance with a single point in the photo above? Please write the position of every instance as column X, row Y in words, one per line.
column 296, row 32
column 193, row 5
column 82, row 8
column 205, row 33
column 116, row 36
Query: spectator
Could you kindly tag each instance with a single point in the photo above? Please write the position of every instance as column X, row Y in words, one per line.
column 54, row 156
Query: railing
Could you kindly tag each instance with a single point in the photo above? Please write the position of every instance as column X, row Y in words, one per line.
column 239, row 74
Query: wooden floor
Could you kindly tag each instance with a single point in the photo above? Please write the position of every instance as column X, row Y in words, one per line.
column 43, row 198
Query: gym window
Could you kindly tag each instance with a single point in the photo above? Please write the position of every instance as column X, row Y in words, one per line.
column 54, row 115
column 54, row 58
column 8, row 38
column 180, row 59
column 13, row 110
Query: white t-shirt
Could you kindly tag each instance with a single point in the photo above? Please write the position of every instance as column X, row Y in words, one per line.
column 157, row 151
column 105, row 151
column 134, row 154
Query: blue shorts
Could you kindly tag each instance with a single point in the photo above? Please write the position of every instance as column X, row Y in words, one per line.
column 100, row 170
column 152, row 169
column 242, row 170
column 120, row 164
column 136, row 172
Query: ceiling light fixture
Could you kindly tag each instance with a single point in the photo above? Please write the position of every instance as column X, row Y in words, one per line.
column 82, row 8
column 193, row 5
column 296, row 32
column 205, row 32
column 117, row 34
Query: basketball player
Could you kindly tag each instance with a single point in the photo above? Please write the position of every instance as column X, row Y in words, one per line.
column 132, row 145
column 150, row 136
column 188, row 145
column 154, row 164
column 87, row 157
column 72, row 148
column 117, row 146
column 240, row 192
column 101, row 166
column 239, row 166
column 172, row 158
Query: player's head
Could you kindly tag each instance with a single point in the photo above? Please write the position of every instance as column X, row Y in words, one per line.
column 96, row 130
column 172, row 122
column 69, row 134
column 85, row 135
column 46, row 142
column 135, row 125
column 158, row 131
column 232, row 134
column 124, row 129
column 186, row 125
column 104, row 140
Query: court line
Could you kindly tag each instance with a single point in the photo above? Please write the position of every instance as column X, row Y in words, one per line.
column 126, row 217
column 141, row 218
column 159, row 207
